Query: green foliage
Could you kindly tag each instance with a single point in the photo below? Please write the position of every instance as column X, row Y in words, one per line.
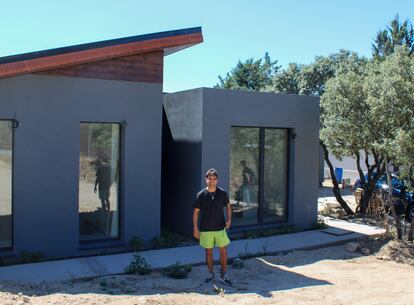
column 138, row 265
column 396, row 34
column 31, row 257
column 135, row 243
column 311, row 79
column 177, row 271
column 252, row 74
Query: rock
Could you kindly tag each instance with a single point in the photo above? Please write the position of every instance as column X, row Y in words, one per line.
column 352, row 246
column 365, row 251
column 238, row 263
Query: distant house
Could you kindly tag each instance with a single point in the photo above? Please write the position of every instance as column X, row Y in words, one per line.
column 92, row 153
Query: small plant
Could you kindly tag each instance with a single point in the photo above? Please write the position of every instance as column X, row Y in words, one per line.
column 31, row 257
column 135, row 243
column 177, row 271
column 138, row 265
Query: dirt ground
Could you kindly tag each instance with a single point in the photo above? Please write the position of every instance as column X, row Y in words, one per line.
column 330, row 275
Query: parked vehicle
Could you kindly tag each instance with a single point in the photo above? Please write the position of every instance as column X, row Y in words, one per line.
column 403, row 200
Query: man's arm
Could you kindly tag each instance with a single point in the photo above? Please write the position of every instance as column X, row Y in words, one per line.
column 228, row 211
column 195, row 223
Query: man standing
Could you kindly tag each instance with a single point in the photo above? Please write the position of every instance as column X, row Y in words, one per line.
column 209, row 204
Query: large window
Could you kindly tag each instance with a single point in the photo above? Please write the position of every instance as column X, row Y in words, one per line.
column 6, row 152
column 99, row 181
column 258, row 175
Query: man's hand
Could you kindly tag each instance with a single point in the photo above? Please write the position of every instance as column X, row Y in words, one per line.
column 228, row 223
column 196, row 233
column 94, row 190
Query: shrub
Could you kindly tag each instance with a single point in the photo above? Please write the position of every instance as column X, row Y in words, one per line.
column 138, row 265
column 177, row 271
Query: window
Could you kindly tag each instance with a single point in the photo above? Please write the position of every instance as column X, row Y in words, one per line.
column 99, row 181
column 6, row 156
column 258, row 175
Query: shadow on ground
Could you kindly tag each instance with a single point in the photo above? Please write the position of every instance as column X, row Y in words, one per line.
column 260, row 276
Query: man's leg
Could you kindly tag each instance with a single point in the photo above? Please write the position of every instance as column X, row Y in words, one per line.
column 223, row 260
column 209, row 260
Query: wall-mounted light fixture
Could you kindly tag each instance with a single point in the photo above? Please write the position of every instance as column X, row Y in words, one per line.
column 13, row 124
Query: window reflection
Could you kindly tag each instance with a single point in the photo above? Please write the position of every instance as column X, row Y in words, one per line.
column 244, row 166
column 6, row 152
column 98, row 181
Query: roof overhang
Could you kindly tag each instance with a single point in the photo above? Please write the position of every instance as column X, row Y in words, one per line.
column 168, row 42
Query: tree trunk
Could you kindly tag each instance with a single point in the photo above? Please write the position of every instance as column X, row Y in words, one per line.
column 369, row 188
column 391, row 203
column 335, row 190
column 411, row 232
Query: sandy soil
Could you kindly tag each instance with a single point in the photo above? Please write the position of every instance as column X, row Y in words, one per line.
column 323, row 276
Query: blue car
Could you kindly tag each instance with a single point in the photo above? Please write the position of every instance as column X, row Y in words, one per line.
column 399, row 190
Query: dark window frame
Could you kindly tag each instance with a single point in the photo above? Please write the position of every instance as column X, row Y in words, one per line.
column 12, row 242
column 260, row 212
column 103, row 242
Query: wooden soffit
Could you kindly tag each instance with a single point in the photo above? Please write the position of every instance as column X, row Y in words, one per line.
column 117, row 53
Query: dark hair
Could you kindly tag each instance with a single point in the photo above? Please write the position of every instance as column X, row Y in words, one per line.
column 211, row 172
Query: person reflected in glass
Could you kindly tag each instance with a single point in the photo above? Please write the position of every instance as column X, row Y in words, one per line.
column 247, row 182
column 103, row 184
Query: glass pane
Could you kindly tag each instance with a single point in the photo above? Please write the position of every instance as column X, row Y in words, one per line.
column 275, row 175
column 244, row 169
column 6, row 151
column 98, row 181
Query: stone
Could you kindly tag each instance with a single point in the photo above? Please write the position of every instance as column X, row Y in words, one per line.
column 365, row 251
column 352, row 246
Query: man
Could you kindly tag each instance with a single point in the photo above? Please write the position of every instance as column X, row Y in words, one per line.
column 103, row 180
column 209, row 204
column 248, row 181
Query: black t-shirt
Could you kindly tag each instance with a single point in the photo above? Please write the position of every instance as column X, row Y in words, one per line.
column 211, row 209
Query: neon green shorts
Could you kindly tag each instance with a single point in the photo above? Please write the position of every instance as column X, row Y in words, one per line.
column 214, row 238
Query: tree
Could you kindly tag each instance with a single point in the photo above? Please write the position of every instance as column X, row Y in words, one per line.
column 252, row 74
column 390, row 95
column 288, row 81
column 311, row 80
column 395, row 34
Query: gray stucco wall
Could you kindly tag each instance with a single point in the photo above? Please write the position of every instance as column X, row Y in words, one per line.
column 46, row 157
column 222, row 109
column 225, row 108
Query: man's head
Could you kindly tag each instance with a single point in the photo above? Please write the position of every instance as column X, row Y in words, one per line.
column 211, row 178
column 243, row 163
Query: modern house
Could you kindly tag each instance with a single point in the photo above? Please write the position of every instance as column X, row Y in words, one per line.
column 80, row 144
column 265, row 147
column 93, row 153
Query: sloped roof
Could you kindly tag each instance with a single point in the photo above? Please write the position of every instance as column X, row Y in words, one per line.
column 168, row 42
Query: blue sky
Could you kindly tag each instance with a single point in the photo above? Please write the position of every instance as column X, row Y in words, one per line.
column 291, row 31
